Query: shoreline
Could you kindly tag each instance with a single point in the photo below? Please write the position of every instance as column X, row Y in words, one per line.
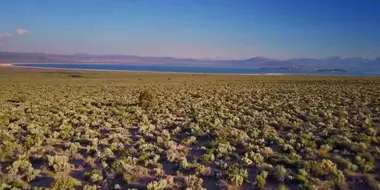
column 158, row 72
column 194, row 73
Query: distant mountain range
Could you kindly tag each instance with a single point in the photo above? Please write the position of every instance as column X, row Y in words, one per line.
column 332, row 63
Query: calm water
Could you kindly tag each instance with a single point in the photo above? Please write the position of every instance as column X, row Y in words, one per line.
column 192, row 69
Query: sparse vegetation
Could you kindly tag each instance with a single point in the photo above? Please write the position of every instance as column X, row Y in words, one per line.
column 102, row 130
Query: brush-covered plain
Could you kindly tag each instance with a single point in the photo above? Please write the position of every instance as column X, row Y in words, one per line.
column 118, row 130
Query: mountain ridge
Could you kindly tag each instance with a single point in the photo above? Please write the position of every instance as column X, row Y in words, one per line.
column 261, row 62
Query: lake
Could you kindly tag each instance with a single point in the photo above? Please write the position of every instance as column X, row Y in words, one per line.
column 192, row 69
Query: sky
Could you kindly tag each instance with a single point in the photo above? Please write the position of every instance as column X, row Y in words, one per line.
column 193, row 28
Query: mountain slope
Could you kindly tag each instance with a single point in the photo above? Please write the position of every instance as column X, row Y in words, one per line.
column 259, row 62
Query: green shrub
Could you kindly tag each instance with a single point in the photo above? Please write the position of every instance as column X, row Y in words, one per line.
column 365, row 164
column 322, row 168
column 280, row 172
column 260, row 180
column 252, row 157
column 143, row 157
column 184, row 165
column 202, row 170
column 129, row 173
column 59, row 163
column 236, row 174
column 94, row 176
column 192, row 182
column 282, row 187
column 345, row 162
column 209, row 157
column 89, row 187
column 23, row 168
column 158, row 185
column 301, row 179
column 267, row 152
column 339, row 179
column 147, row 99
column 18, row 184
column 64, row 182
column 189, row 140
column 324, row 150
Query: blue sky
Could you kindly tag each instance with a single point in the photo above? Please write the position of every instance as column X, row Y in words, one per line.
column 193, row 28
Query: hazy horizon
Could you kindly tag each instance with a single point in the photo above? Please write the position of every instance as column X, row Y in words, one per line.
column 221, row 29
column 200, row 58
